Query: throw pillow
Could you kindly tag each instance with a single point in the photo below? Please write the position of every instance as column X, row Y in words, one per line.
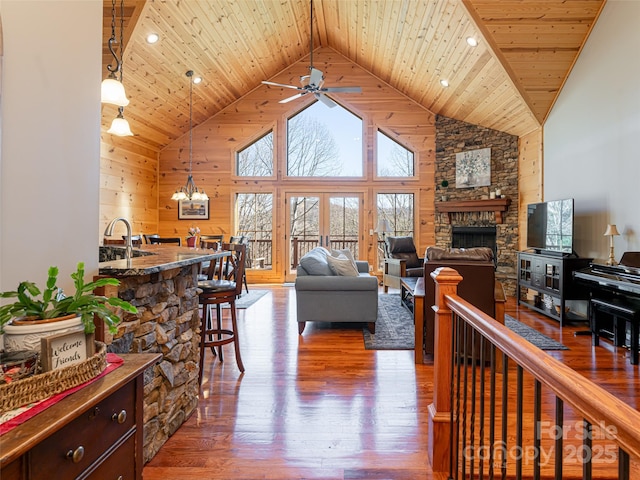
column 347, row 253
column 342, row 266
column 315, row 262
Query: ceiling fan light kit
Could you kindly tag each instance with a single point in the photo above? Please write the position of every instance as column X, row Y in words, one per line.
column 314, row 82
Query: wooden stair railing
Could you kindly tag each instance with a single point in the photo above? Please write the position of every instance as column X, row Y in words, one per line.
column 595, row 406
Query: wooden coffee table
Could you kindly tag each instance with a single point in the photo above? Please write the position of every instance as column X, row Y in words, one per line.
column 412, row 296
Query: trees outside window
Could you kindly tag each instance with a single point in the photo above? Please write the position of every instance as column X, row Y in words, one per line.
column 254, row 213
column 256, row 160
column 394, row 160
column 324, row 142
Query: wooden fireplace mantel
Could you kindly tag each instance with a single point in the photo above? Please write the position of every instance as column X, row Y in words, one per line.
column 497, row 206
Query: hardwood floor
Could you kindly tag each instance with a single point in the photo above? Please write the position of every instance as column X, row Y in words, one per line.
column 320, row 406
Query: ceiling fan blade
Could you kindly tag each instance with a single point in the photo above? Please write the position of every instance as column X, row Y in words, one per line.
column 287, row 100
column 280, row 85
column 316, row 77
column 326, row 100
column 343, row 89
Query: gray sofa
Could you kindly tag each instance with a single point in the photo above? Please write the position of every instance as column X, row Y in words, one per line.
column 323, row 296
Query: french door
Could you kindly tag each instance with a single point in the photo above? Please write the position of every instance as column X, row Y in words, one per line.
column 330, row 220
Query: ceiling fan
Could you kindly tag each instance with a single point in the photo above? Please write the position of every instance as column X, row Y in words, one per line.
column 314, row 82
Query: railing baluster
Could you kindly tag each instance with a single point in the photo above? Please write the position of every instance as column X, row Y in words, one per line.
column 462, row 357
column 505, row 405
column 492, row 411
column 472, row 431
column 559, row 438
column 623, row 465
column 587, row 452
column 519, row 401
column 481, row 412
column 537, row 427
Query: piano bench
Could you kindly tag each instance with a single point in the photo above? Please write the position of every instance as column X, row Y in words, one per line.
column 623, row 312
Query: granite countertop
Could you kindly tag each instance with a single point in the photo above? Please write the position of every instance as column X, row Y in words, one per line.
column 150, row 259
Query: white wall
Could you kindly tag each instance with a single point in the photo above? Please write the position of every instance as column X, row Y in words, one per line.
column 592, row 136
column 50, row 159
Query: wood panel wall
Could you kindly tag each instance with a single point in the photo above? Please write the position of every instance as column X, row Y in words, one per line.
column 128, row 184
column 216, row 141
column 530, row 170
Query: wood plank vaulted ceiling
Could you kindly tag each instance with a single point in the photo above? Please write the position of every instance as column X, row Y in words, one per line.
column 509, row 82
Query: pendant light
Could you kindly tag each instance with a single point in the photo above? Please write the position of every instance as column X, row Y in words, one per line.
column 120, row 126
column 190, row 191
column 112, row 90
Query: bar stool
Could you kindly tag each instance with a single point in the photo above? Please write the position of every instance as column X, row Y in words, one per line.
column 622, row 312
column 217, row 292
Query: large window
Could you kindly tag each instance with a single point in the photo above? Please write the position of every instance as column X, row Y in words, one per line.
column 324, row 142
column 256, row 160
column 394, row 160
column 255, row 219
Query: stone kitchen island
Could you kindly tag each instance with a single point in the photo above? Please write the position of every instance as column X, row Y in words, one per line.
column 161, row 281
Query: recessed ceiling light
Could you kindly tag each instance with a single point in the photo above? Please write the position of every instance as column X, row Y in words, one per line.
column 472, row 42
column 197, row 80
column 153, row 38
column 444, row 83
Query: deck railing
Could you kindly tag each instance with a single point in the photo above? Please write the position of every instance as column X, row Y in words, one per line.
column 547, row 422
column 261, row 252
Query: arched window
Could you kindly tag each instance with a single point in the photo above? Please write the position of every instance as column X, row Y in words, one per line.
column 394, row 160
column 324, row 142
column 256, row 160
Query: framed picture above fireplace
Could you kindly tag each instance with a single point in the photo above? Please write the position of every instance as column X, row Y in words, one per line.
column 473, row 168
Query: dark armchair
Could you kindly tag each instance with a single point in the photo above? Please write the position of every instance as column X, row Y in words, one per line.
column 400, row 260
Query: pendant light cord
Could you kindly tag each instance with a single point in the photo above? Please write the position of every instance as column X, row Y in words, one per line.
column 190, row 75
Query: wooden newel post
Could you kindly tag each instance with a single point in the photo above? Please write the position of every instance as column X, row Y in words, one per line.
column 447, row 280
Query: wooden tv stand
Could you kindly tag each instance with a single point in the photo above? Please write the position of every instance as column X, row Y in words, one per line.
column 551, row 275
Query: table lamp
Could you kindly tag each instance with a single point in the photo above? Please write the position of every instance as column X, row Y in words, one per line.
column 611, row 232
column 383, row 227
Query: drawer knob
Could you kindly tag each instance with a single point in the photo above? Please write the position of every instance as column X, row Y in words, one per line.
column 76, row 455
column 120, row 417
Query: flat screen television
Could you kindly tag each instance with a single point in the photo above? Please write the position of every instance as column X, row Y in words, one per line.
column 550, row 226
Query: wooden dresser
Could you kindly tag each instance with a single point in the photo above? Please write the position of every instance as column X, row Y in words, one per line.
column 93, row 433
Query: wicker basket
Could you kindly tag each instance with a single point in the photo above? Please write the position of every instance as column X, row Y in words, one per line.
column 45, row 385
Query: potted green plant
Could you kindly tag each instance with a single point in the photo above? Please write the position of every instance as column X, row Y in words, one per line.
column 38, row 308
column 444, row 184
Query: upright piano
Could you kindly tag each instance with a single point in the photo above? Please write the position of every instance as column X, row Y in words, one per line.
column 622, row 280
column 614, row 290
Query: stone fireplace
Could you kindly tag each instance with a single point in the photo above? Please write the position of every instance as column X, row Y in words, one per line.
column 469, row 215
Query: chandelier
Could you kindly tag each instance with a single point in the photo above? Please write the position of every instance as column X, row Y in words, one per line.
column 190, row 191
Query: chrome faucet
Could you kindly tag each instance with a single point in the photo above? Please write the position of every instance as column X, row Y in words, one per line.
column 128, row 242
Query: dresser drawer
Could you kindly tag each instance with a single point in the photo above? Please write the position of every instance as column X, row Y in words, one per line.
column 120, row 465
column 86, row 438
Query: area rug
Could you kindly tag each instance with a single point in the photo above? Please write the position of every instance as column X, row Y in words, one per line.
column 394, row 326
column 248, row 299
column 532, row 335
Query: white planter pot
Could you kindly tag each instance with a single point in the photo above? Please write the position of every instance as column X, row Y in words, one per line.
column 27, row 337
